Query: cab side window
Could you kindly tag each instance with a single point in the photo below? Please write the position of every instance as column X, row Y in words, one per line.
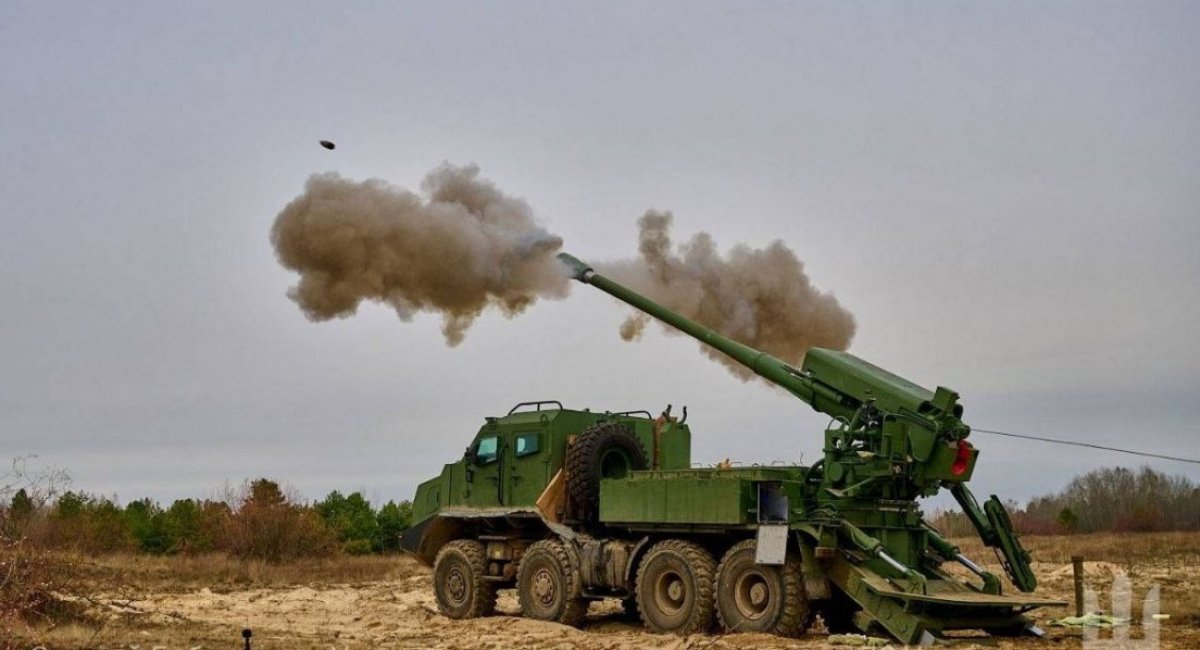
column 486, row 451
column 527, row 444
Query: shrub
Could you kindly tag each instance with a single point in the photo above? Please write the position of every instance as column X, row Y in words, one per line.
column 31, row 575
column 269, row 526
column 357, row 547
column 31, row 580
column 88, row 524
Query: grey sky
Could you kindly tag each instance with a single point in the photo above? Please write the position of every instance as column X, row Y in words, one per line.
column 1007, row 195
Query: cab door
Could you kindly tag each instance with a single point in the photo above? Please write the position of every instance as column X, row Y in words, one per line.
column 526, row 464
column 484, row 471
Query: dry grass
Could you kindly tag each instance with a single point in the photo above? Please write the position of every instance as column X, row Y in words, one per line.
column 220, row 572
column 1129, row 550
column 123, row 578
column 120, row 635
column 1170, row 560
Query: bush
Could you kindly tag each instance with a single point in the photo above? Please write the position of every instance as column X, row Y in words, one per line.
column 31, row 581
column 269, row 526
column 357, row 547
column 1068, row 520
column 31, row 575
column 88, row 524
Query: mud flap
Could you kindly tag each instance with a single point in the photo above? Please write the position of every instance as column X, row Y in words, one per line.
column 772, row 544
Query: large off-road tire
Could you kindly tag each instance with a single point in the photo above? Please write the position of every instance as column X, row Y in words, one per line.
column 766, row 598
column 548, row 587
column 675, row 588
column 605, row 450
column 458, row 580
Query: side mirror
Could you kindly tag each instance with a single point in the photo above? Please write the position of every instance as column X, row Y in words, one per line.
column 471, row 455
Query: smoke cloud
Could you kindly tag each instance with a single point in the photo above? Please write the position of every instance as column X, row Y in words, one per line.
column 758, row 296
column 463, row 246
column 463, row 249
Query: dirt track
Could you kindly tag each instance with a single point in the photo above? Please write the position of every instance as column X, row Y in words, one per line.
column 402, row 614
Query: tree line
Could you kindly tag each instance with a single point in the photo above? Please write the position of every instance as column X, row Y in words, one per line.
column 262, row 521
column 1112, row 499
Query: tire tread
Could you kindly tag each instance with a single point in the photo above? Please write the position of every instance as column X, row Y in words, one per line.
column 575, row 608
column 583, row 476
column 797, row 612
column 704, row 569
column 483, row 601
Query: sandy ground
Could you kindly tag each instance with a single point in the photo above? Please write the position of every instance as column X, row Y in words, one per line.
column 402, row 614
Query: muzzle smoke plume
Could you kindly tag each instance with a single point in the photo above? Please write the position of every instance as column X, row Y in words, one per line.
column 465, row 246
column 757, row 296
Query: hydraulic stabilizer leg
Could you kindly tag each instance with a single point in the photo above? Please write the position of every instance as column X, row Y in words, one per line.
column 996, row 530
column 991, row 583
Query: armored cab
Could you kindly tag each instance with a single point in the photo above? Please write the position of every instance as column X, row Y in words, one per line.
column 521, row 458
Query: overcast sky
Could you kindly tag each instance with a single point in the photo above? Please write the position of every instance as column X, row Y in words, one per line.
column 1007, row 195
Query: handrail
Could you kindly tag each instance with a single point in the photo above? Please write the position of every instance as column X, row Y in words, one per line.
column 620, row 413
column 538, row 404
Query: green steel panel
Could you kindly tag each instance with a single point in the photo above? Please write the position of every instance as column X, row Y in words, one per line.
column 862, row 379
column 677, row 500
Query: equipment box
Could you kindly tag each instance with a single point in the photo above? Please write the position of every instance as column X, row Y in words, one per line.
column 694, row 496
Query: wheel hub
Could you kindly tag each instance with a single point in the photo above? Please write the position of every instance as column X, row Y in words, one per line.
column 675, row 590
column 544, row 587
column 456, row 585
column 670, row 592
column 758, row 594
column 752, row 594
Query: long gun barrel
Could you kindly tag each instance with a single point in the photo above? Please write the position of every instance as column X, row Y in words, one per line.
column 774, row 370
column 832, row 382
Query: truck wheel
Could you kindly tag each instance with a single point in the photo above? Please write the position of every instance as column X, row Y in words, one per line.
column 606, row 450
column 754, row 597
column 458, row 580
column 548, row 587
column 675, row 588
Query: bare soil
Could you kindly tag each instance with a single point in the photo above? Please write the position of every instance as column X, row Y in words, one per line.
column 146, row 608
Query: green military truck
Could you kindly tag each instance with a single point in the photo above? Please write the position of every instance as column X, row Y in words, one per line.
column 570, row 506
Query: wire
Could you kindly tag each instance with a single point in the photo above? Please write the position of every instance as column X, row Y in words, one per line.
column 1086, row 444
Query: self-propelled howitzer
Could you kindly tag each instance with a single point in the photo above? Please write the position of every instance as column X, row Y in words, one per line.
column 568, row 505
column 889, row 442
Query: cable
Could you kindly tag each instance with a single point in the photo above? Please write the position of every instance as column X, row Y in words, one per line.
column 1086, row 444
